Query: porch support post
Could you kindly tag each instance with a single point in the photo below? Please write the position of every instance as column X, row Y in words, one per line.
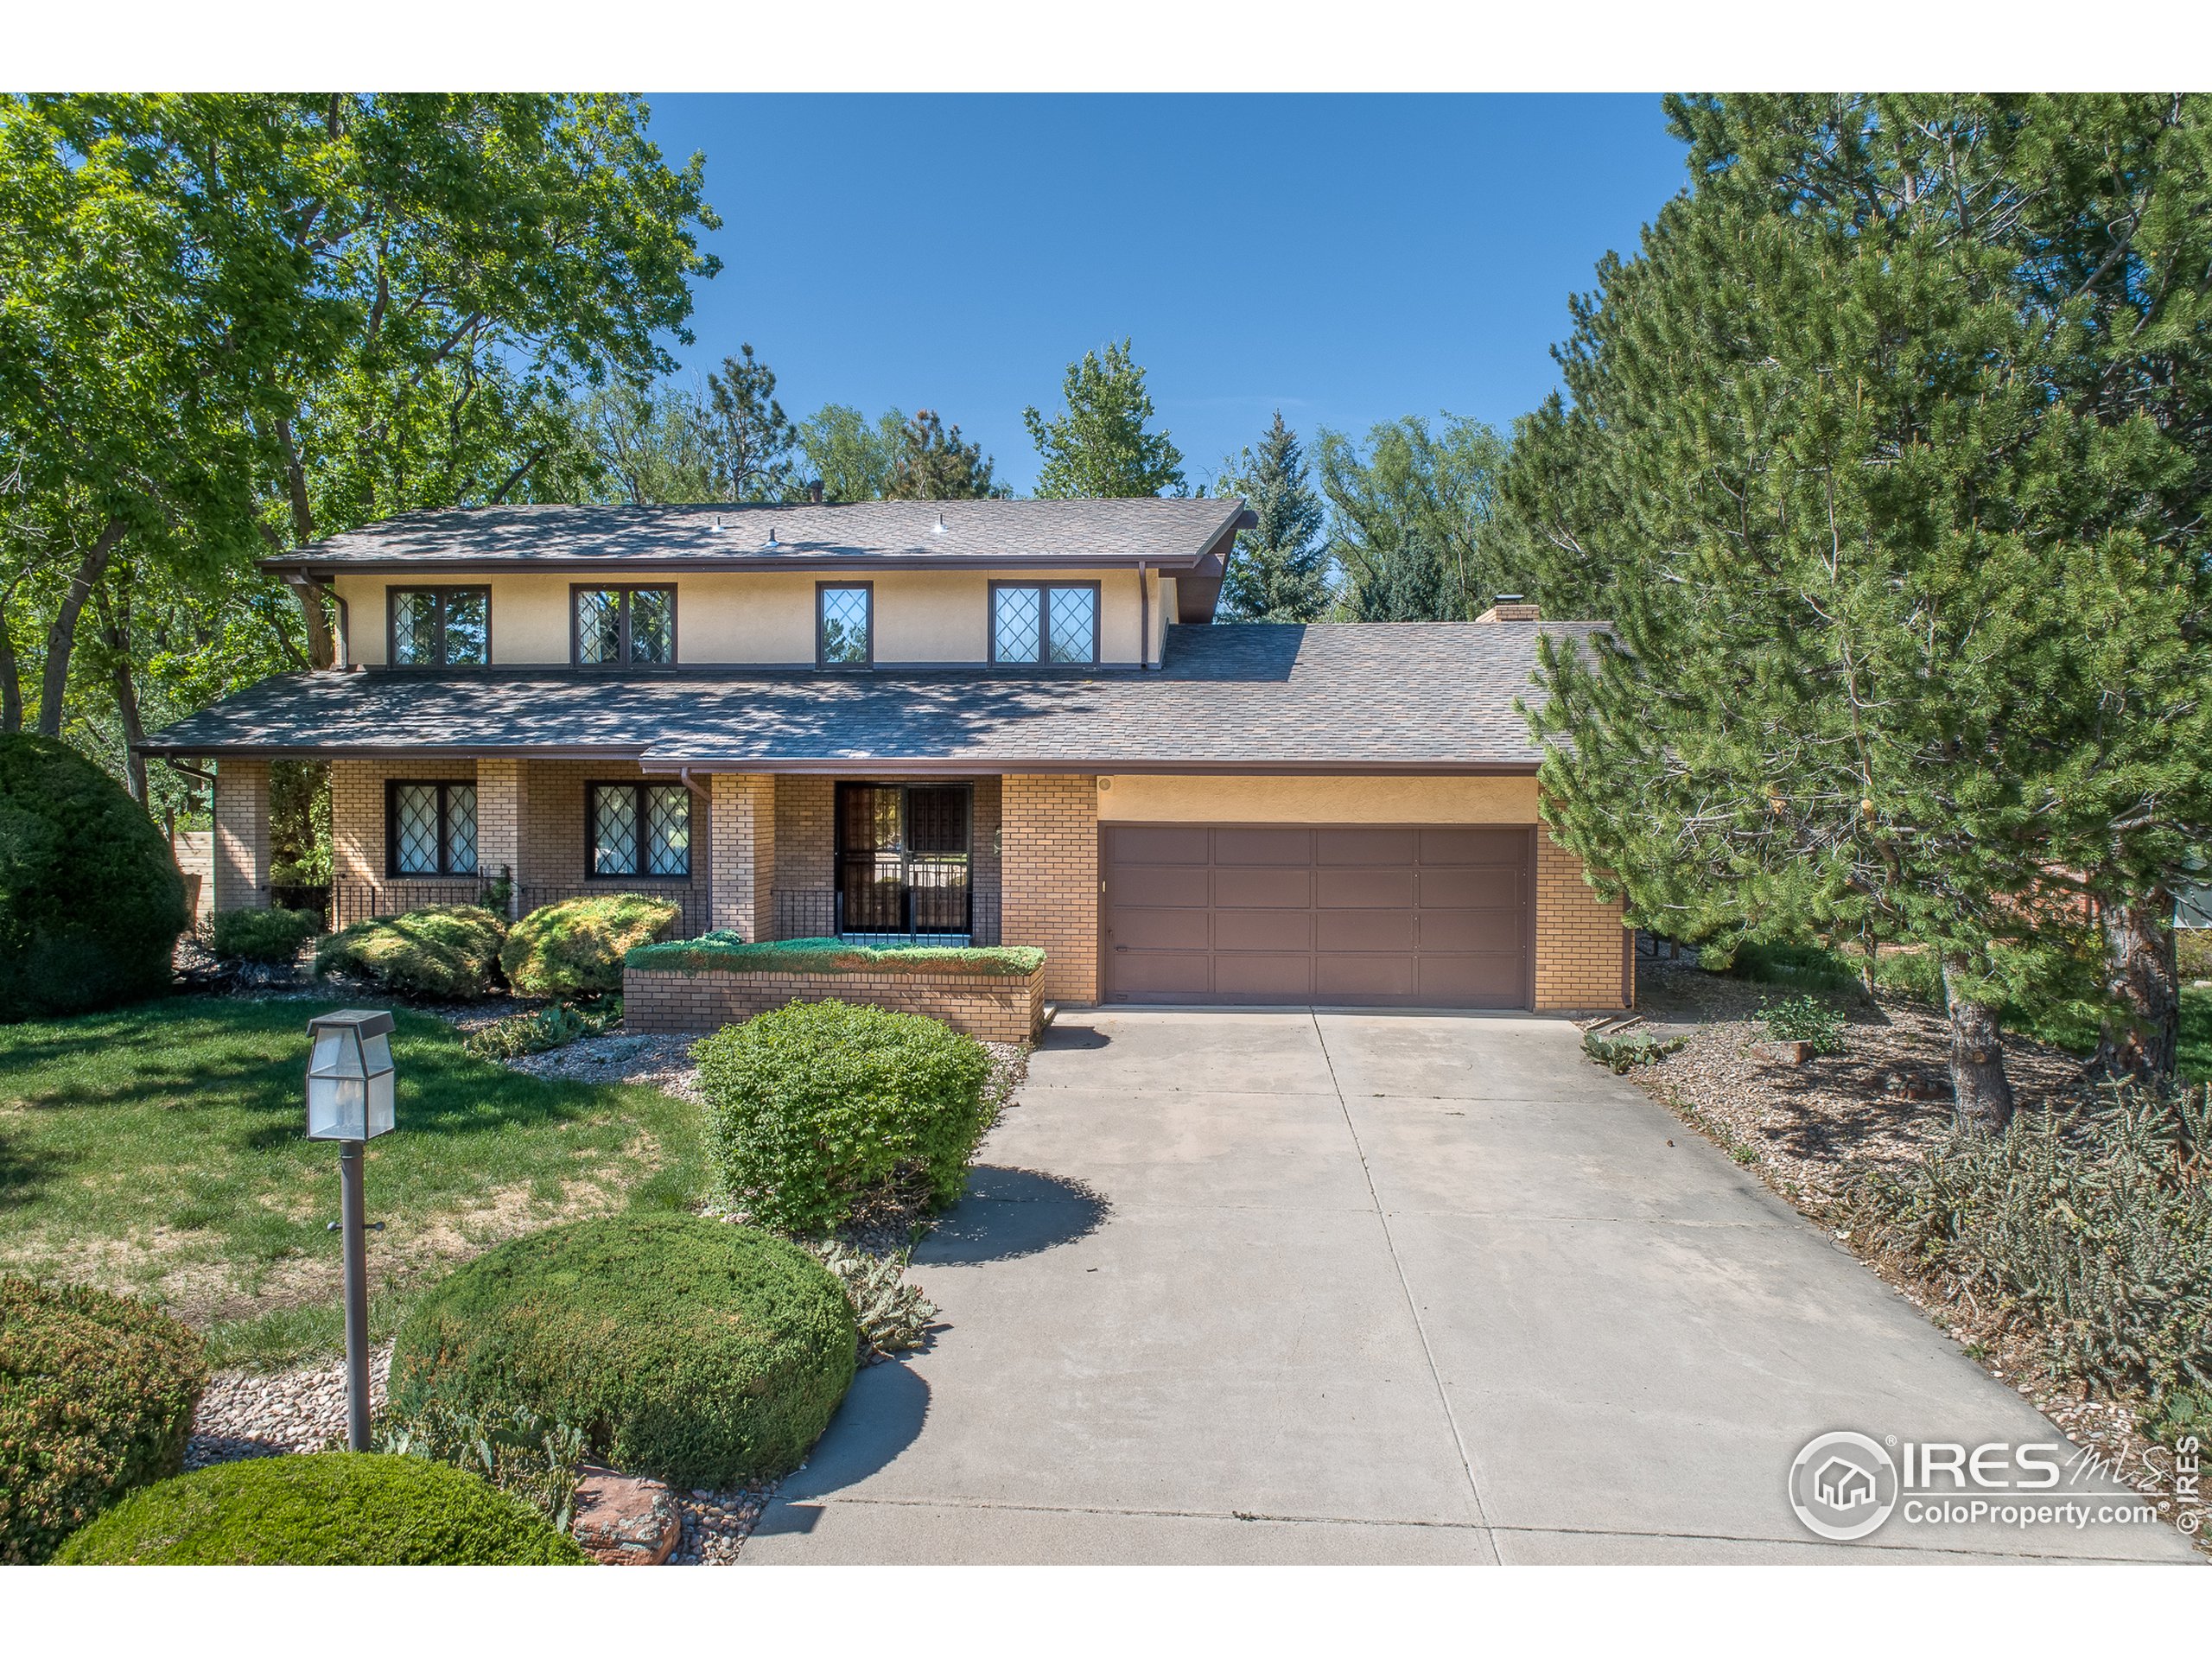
column 502, row 808
column 240, row 862
column 742, row 829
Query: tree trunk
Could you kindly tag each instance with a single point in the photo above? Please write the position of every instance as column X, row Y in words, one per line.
column 126, row 701
column 61, row 638
column 11, row 678
column 322, row 649
column 2142, row 977
column 1982, row 1092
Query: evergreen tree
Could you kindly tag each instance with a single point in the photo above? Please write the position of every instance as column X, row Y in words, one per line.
column 1098, row 444
column 1409, row 520
column 1278, row 572
column 934, row 465
column 852, row 457
column 751, row 440
column 1905, row 628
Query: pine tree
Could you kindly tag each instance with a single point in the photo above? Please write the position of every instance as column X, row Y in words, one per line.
column 934, row 465
column 1098, row 445
column 1903, row 633
column 752, row 440
column 1279, row 571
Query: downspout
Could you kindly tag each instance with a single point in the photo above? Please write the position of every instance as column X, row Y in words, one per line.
column 301, row 579
column 683, row 776
column 1144, row 618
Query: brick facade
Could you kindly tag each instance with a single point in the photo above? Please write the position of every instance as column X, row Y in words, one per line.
column 357, row 813
column 241, row 837
column 997, row 1008
column 1049, row 835
column 502, row 821
column 743, row 852
column 1580, row 949
column 806, row 834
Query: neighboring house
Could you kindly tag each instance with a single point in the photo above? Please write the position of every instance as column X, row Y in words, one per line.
column 1009, row 721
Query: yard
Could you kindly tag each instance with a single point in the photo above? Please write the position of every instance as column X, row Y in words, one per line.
column 159, row 1149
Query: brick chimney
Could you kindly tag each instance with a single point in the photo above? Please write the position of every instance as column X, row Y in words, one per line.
column 1510, row 608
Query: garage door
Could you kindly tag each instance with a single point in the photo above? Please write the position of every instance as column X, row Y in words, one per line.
column 1415, row 916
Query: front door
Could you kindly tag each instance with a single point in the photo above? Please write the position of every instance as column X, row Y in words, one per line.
column 903, row 859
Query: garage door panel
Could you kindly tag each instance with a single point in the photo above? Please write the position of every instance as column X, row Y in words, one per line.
column 1373, row 916
column 1265, row 889
column 1160, row 929
column 1365, row 846
column 1282, row 847
column 1364, row 930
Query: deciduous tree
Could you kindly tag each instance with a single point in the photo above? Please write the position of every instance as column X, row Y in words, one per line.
column 1100, row 443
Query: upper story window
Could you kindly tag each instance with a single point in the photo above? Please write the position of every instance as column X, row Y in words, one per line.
column 844, row 625
column 617, row 626
column 1044, row 621
column 639, row 830
column 430, row 829
column 441, row 627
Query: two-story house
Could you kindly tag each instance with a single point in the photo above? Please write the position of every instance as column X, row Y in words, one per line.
column 1010, row 721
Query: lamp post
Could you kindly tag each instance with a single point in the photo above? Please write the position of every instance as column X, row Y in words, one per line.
column 349, row 1101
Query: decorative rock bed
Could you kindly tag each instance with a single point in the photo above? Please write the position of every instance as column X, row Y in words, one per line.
column 994, row 993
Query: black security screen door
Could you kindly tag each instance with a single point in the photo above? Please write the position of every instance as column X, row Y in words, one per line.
column 902, row 858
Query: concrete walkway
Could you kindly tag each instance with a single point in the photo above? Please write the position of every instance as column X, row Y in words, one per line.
column 1292, row 1288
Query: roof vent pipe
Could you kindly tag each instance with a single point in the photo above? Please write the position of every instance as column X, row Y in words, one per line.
column 772, row 543
column 938, row 529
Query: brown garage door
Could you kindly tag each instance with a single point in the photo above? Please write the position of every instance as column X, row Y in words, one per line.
column 1415, row 916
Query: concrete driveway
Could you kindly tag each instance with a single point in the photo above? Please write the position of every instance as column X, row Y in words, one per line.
column 1339, row 1287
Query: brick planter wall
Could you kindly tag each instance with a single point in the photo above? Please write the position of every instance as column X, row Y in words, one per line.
column 997, row 1008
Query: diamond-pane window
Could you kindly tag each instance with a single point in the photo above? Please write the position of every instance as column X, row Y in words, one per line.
column 599, row 625
column 845, row 627
column 461, row 828
column 415, row 825
column 613, row 830
column 667, row 831
column 414, row 629
column 441, row 627
column 1020, row 618
column 1074, row 624
column 468, row 628
column 652, row 624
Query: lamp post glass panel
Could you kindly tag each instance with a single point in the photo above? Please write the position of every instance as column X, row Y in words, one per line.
column 350, row 1101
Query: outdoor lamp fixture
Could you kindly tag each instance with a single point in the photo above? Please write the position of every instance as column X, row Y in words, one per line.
column 349, row 1101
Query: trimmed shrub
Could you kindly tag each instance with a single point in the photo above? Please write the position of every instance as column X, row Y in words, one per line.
column 813, row 1108
column 90, row 902
column 724, row 953
column 262, row 935
column 702, row 1353
column 97, row 1394
column 577, row 946
column 438, row 950
column 1804, row 1019
column 326, row 1508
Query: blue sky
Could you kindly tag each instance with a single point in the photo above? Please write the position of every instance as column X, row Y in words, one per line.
column 1348, row 259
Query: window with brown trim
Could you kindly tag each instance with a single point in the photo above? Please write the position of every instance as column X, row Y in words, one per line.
column 430, row 828
column 439, row 628
column 1044, row 621
column 637, row 829
column 844, row 624
column 621, row 627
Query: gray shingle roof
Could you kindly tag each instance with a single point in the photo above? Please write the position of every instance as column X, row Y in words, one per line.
column 1061, row 532
column 1436, row 695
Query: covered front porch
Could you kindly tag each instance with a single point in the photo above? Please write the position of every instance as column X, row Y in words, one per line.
column 987, row 859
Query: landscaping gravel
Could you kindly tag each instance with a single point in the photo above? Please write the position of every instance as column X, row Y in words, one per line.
column 261, row 1413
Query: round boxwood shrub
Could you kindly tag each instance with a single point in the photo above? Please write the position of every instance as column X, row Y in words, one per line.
column 695, row 1350
column 90, row 902
column 262, row 935
column 97, row 1394
column 576, row 946
column 325, row 1509
column 814, row 1108
column 438, row 950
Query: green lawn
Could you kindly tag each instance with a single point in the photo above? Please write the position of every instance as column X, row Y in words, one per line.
column 159, row 1148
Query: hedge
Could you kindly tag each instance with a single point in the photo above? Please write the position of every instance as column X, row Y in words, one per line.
column 576, row 945
column 97, row 1394
column 325, row 1509
column 90, row 902
column 439, row 950
column 710, row 954
column 814, row 1108
column 262, row 935
column 699, row 1352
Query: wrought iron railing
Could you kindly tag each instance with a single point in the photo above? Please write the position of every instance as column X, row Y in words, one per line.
column 817, row 913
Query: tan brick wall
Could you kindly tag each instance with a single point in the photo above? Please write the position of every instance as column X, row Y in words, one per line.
column 806, row 834
column 743, row 859
column 357, row 812
column 554, row 854
column 241, row 834
column 985, row 832
column 502, row 817
column 1050, row 877
column 997, row 1008
column 1578, row 937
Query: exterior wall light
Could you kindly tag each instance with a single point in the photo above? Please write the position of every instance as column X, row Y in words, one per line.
column 350, row 1101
